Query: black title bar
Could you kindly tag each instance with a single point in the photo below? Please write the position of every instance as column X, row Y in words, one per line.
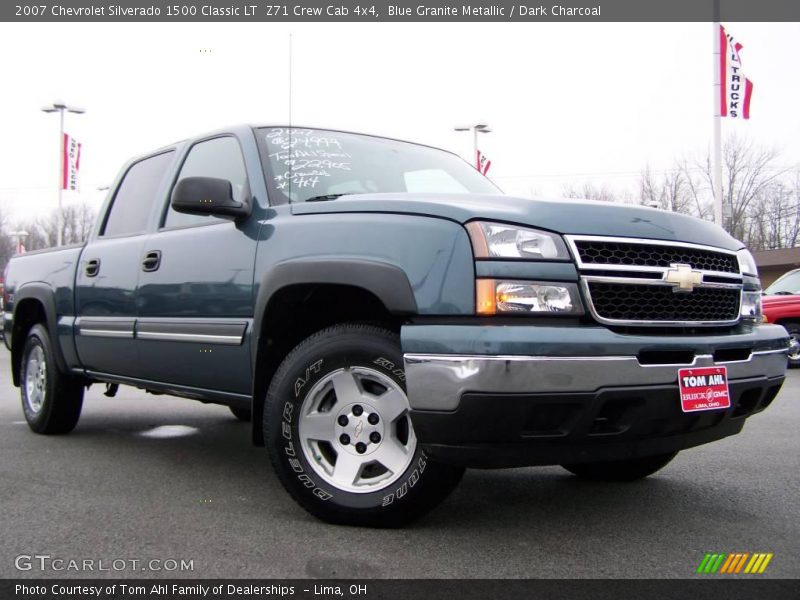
column 370, row 11
column 387, row 589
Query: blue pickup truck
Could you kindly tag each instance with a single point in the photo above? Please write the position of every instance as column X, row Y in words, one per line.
column 386, row 318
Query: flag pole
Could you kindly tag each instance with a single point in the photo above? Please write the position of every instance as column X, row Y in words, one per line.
column 475, row 148
column 716, row 151
column 61, row 156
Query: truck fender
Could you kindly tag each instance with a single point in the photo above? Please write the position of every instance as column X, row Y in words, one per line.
column 387, row 282
column 45, row 296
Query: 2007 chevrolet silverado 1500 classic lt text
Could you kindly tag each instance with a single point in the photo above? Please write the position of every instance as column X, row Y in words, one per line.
column 387, row 318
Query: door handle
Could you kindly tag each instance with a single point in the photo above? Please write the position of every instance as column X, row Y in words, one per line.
column 92, row 267
column 151, row 260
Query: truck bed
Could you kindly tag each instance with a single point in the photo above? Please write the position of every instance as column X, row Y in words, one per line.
column 53, row 268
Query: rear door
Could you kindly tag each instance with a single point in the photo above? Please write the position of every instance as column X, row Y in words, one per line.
column 195, row 301
column 107, row 276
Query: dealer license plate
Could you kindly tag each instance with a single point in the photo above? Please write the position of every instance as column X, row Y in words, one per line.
column 705, row 388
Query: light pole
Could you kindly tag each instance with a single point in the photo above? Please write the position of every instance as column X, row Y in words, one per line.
column 59, row 107
column 476, row 129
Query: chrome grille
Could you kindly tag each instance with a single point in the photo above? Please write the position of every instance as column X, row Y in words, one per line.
column 655, row 283
column 595, row 252
column 626, row 302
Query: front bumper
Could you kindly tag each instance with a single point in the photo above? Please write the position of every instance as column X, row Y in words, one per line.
column 557, row 395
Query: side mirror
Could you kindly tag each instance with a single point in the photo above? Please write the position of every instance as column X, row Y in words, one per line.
column 208, row 196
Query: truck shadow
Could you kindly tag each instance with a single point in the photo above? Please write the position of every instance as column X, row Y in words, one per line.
column 547, row 501
column 210, row 446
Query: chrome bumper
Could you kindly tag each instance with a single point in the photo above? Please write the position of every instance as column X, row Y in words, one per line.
column 437, row 381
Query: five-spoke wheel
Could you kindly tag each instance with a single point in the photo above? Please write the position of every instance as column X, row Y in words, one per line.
column 355, row 429
column 337, row 423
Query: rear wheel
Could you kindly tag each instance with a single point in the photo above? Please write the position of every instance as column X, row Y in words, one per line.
column 337, row 424
column 620, row 470
column 794, row 344
column 51, row 400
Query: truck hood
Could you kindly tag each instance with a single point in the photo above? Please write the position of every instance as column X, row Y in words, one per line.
column 576, row 217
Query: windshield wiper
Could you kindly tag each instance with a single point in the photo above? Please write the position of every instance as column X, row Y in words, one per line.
column 329, row 196
column 783, row 293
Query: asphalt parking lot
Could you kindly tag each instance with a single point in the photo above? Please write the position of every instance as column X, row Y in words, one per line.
column 123, row 485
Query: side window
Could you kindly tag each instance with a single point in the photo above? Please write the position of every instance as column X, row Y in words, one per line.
column 136, row 194
column 221, row 158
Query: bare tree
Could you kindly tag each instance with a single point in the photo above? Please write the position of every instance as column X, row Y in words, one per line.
column 774, row 218
column 76, row 227
column 670, row 191
column 78, row 222
column 7, row 248
column 748, row 172
column 760, row 199
column 589, row 191
column 793, row 213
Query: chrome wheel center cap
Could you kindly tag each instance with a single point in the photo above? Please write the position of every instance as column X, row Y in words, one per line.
column 359, row 429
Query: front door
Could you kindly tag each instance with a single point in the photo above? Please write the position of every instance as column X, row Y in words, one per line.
column 195, row 303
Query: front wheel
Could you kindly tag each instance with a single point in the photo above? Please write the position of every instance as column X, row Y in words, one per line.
column 51, row 400
column 337, row 425
column 620, row 470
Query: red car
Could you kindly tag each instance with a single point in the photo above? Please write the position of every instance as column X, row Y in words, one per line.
column 781, row 303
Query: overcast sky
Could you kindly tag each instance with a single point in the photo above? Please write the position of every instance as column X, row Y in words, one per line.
column 566, row 102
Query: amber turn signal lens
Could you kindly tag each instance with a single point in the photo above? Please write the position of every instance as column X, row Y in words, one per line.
column 485, row 298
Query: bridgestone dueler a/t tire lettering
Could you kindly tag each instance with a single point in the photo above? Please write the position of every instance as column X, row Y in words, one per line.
column 309, row 395
column 51, row 400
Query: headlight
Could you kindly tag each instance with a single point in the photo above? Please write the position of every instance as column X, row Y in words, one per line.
column 495, row 240
column 747, row 263
column 497, row 296
column 751, row 306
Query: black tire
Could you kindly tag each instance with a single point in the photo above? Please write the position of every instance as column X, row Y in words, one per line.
column 621, row 470
column 243, row 414
column 52, row 401
column 389, row 498
column 794, row 351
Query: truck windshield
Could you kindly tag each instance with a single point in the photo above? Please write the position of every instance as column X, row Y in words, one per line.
column 316, row 164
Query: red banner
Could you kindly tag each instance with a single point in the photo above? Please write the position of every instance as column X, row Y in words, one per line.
column 736, row 90
column 71, row 155
column 482, row 163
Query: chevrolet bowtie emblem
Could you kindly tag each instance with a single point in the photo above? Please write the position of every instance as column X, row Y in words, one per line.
column 683, row 277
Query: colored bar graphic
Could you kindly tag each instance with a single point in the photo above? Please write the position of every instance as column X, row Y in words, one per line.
column 741, row 562
column 733, row 563
column 729, row 563
column 766, row 562
column 754, row 564
column 703, row 563
column 718, row 564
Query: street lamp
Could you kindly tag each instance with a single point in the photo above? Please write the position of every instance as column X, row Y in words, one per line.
column 475, row 129
column 60, row 106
